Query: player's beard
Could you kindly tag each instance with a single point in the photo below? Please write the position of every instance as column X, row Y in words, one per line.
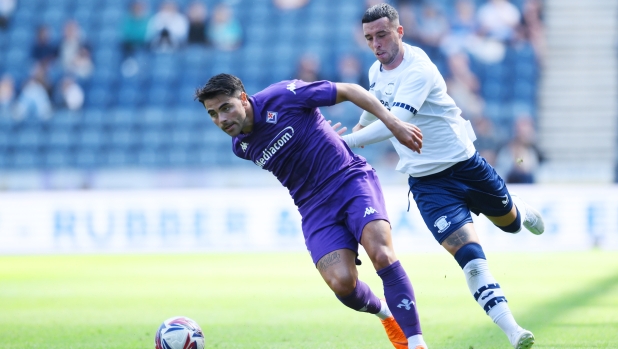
column 392, row 55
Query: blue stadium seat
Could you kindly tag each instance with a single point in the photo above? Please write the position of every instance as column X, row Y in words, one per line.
column 92, row 138
column 25, row 159
column 149, row 157
column 160, row 96
column 61, row 138
column 118, row 157
column 57, row 159
column 54, row 16
column 123, row 137
column 153, row 138
column 28, row 138
column 129, row 96
column 99, row 97
column 86, row 158
column 180, row 156
column 123, row 118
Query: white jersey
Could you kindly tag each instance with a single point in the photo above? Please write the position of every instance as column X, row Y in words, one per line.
column 416, row 93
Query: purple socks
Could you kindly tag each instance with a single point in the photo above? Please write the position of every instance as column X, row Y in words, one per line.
column 362, row 299
column 400, row 298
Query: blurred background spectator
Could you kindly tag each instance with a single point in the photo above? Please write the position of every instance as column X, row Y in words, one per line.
column 517, row 161
column 33, row 100
column 431, row 28
column 69, row 94
column 168, row 28
column 225, row 30
column 129, row 108
column 43, row 50
column 498, row 19
column 197, row 13
column 350, row 69
column 289, row 4
column 134, row 28
column 7, row 7
column 308, row 68
column 74, row 51
column 7, row 96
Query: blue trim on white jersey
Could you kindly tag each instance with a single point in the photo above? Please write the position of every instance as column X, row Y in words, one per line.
column 405, row 106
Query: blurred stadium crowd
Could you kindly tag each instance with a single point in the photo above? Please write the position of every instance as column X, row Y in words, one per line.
column 100, row 84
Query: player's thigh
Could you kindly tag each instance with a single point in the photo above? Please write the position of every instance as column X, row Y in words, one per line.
column 338, row 269
column 364, row 203
column 378, row 243
column 460, row 237
column 442, row 205
column 486, row 191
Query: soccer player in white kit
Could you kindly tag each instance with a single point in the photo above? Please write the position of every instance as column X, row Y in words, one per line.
column 449, row 179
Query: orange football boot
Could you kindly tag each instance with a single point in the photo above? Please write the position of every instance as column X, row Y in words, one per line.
column 394, row 333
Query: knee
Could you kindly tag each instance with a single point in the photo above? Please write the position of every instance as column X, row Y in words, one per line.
column 342, row 284
column 383, row 257
column 468, row 253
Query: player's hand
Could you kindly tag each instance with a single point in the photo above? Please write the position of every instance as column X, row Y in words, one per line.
column 358, row 127
column 409, row 135
column 337, row 128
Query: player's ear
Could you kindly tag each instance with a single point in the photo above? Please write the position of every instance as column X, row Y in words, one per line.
column 243, row 98
column 400, row 31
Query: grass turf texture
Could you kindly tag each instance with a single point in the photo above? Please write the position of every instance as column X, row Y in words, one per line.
column 569, row 300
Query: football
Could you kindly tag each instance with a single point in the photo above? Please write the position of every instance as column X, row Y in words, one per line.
column 179, row 332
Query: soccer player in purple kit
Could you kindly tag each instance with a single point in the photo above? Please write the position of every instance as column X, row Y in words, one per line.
column 337, row 193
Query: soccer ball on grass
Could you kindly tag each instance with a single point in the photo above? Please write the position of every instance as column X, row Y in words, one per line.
column 179, row 332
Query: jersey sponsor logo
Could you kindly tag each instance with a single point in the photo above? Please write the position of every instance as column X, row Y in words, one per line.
column 442, row 224
column 244, row 146
column 275, row 145
column 369, row 210
column 405, row 106
column 390, row 88
column 372, row 86
column 271, row 117
column 506, row 200
column 406, row 303
column 292, row 87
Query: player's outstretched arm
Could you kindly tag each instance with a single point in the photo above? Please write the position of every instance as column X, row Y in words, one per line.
column 406, row 133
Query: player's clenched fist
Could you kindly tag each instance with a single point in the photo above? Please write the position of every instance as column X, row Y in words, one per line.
column 409, row 135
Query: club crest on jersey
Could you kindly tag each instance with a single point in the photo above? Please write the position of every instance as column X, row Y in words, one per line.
column 442, row 224
column 390, row 88
column 271, row 117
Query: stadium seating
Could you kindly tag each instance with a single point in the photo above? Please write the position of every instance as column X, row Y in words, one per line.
column 149, row 119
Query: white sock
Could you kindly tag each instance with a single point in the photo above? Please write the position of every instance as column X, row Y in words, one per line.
column 384, row 312
column 489, row 295
column 415, row 340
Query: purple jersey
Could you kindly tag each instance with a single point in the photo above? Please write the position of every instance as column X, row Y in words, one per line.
column 291, row 138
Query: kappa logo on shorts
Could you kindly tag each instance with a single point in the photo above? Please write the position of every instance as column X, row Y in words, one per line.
column 442, row 224
column 369, row 210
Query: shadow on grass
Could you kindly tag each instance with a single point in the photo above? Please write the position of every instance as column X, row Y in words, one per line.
column 546, row 317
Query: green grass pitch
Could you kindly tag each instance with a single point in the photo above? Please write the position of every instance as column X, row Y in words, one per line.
column 569, row 300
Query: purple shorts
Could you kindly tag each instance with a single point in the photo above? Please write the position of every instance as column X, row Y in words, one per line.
column 336, row 219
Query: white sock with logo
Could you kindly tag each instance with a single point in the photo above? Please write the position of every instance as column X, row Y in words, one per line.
column 384, row 312
column 489, row 295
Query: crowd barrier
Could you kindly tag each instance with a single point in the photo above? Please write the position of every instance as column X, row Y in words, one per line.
column 265, row 219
